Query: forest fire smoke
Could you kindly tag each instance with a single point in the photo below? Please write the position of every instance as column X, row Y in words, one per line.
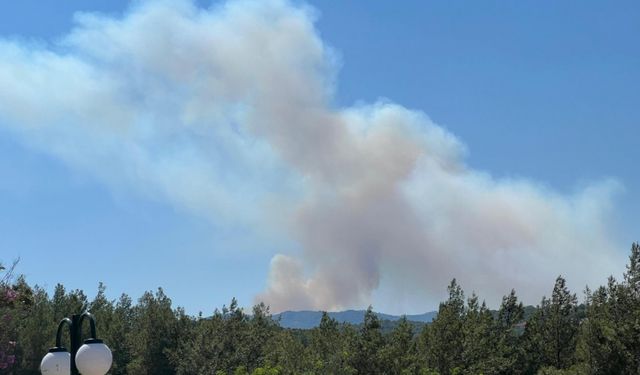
column 228, row 113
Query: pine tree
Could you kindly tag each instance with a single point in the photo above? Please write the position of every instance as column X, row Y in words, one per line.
column 561, row 326
column 444, row 342
column 510, row 314
column 285, row 354
column 599, row 347
column 399, row 355
column 260, row 330
column 152, row 335
column 366, row 359
column 119, row 335
column 550, row 335
column 632, row 275
column 328, row 351
column 479, row 343
column 36, row 333
column 629, row 300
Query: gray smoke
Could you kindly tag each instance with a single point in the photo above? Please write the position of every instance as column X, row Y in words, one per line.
column 228, row 113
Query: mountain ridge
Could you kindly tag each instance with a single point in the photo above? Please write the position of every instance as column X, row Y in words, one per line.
column 308, row 319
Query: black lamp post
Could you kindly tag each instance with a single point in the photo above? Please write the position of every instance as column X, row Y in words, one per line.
column 91, row 358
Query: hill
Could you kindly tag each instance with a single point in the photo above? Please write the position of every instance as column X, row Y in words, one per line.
column 311, row 319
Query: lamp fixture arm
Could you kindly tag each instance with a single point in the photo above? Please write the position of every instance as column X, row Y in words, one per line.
column 92, row 323
column 63, row 322
column 94, row 357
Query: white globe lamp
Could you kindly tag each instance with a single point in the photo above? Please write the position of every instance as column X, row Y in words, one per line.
column 56, row 362
column 93, row 358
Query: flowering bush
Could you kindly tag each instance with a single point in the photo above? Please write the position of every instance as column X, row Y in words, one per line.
column 8, row 299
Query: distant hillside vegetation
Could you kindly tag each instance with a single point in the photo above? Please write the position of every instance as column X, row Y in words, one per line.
column 311, row 319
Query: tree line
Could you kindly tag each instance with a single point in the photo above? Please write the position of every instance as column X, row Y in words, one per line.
column 561, row 336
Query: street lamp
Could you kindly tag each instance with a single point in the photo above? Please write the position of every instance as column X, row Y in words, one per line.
column 92, row 358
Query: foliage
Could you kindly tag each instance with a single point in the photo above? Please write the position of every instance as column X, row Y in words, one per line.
column 444, row 339
column 150, row 336
column 15, row 299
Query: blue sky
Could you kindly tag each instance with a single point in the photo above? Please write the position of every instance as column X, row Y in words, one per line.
column 546, row 92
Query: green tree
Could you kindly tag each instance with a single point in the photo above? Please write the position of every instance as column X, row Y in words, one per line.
column 228, row 342
column 153, row 333
column 551, row 333
column 328, row 351
column 631, row 309
column 632, row 274
column 444, row 341
column 609, row 336
column 510, row 314
column 478, row 339
column 599, row 347
column 102, row 310
column 286, row 351
column 118, row 335
column 65, row 303
column 532, row 356
column 366, row 359
column 198, row 351
column 36, row 333
column 261, row 329
column 150, row 337
column 400, row 353
column 561, row 326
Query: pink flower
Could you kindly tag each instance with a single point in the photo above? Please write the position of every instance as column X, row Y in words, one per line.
column 6, row 360
column 11, row 295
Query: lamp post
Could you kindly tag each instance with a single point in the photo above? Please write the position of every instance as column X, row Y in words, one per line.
column 91, row 358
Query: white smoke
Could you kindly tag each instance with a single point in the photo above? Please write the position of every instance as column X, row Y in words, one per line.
column 228, row 113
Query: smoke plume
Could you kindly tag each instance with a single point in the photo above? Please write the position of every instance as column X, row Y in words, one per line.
column 228, row 113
